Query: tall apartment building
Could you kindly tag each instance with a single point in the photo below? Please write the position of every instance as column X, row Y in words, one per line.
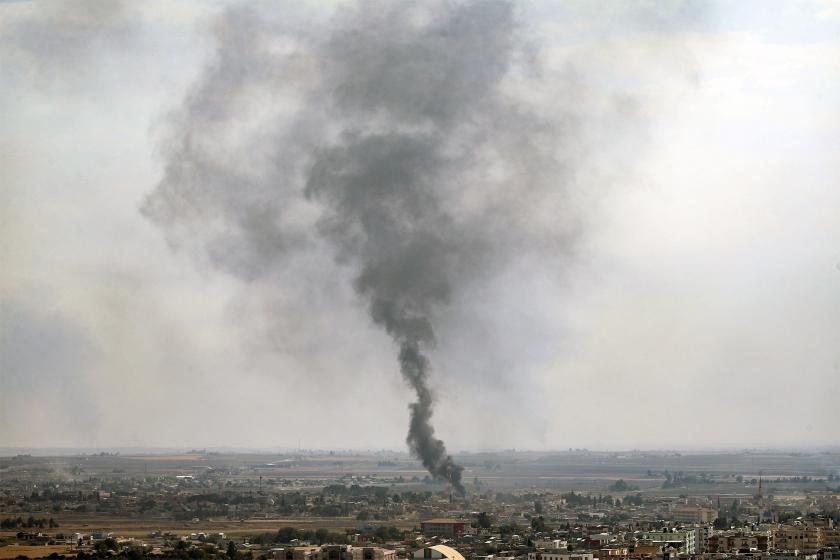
column 735, row 542
column 685, row 541
column 701, row 536
column 693, row 514
column 831, row 537
column 791, row 538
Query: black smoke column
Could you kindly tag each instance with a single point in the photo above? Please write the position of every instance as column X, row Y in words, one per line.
column 400, row 148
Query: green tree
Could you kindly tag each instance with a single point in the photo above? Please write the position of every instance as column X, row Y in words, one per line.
column 538, row 524
column 287, row 535
column 507, row 530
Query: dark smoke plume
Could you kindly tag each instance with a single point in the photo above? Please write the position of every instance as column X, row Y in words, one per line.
column 394, row 135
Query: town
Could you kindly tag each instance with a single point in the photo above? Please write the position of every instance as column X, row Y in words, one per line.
column 322, row 505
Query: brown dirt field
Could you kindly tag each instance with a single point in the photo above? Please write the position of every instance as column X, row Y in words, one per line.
column 32, row 551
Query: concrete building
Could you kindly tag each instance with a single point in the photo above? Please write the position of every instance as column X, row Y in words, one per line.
column 684, row 541
column 647, row 550
column 447, row 528
column 693, row 514
column 738, row 542
column 793, row 538
column 555, row 544
column 831, row 537
column 701, row 537
column 600, row 539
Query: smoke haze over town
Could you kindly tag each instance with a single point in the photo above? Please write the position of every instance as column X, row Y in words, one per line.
column 531, row 225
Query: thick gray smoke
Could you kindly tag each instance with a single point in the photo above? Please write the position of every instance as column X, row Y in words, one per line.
column 397, row 135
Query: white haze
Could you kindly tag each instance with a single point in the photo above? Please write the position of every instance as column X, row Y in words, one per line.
column 697, row 305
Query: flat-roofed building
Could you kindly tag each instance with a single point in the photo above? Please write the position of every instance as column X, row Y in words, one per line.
column 693, row 514
column 831, row 537
column 792, row 538
column 553, row 544
column 646, row 550
column 447, row 528
column 684, row 541
column 733, row 543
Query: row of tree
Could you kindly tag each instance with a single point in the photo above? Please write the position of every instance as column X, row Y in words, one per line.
column 29, row 523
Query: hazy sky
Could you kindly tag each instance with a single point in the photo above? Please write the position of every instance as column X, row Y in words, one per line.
column 686, row 293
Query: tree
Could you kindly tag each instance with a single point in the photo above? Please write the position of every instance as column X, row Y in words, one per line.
column 483, row 520
column 538, row 524
column 106, row 545
column 538, row 507
column 507, row 530
column 286, row 535
column 633, row 500
column 621, row 486
column 231, row 550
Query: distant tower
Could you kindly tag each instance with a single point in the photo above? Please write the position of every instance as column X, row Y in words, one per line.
column 759, row 485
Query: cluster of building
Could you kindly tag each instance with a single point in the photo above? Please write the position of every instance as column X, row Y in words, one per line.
column 813, row 538
column 379, row 518
column 333, row 552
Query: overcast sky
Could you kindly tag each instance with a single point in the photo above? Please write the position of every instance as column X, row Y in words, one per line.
column 694, row 301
